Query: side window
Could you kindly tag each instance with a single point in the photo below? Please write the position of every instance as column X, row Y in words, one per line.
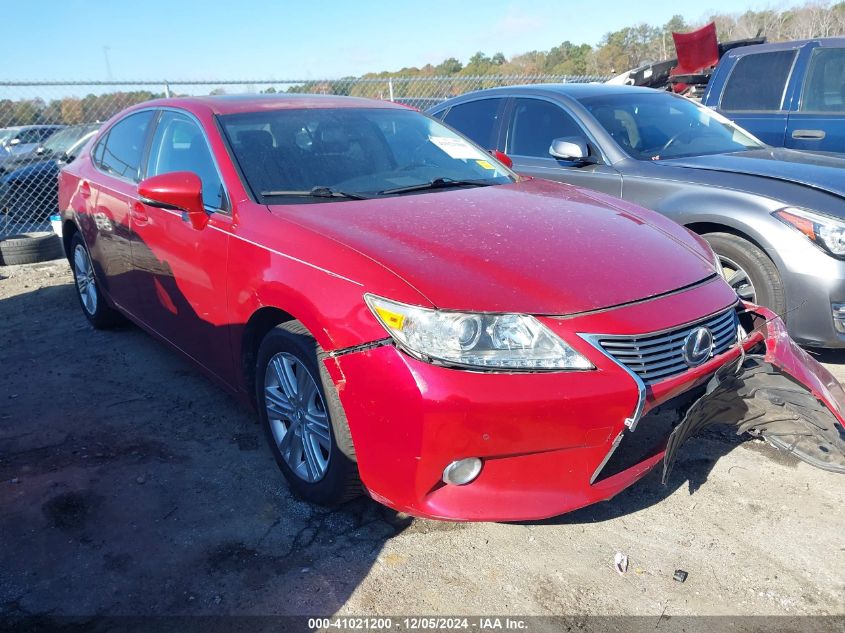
column 824, row 87
column 758, row 81
column 32, row 135
column 536, row 123
column 476, row 120
column 179, row 145
column 120, row 151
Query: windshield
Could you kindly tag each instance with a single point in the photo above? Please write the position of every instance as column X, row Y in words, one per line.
column 293, row 156
column 63, row 140
column 7, row 134
column 659, row 125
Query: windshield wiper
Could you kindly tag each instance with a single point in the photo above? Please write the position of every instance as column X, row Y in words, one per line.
column 437, row 183
column 316, row 192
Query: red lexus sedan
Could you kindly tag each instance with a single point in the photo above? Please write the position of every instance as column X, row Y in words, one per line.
column 410, row 318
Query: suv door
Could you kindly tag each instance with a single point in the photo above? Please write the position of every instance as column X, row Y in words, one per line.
column 756, row 94
column 117, row 155
column 533, row 124
column 182, row 271
column 818, row 123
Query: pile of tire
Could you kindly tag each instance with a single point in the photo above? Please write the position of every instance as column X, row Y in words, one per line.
column 29, row 248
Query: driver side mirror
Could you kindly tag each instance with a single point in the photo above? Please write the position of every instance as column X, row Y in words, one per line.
column 178, row 190
column 14, row 141
column 573, row 149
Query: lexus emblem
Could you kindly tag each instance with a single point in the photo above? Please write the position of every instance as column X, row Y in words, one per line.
column 698, row 346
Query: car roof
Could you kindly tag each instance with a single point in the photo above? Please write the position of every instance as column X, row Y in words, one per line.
column 234, row 104
column 785, row 46
column 574, row 90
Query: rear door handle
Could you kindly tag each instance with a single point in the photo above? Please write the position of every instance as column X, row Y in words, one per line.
column 138, row 213
column 808, row 135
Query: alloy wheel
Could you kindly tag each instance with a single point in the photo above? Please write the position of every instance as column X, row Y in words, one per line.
column 738, row 279
column 85, row 283
column 298, row 417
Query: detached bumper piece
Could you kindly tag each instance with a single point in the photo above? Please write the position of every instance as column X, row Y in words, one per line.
column 759, row 398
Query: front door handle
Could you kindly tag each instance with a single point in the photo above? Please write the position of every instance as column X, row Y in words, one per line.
column 138, row 213
column 808, row 135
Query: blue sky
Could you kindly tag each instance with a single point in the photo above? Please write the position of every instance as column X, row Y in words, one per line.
column 208, row 39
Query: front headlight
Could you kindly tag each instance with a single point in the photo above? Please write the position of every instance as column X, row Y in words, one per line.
column 481, row 340
column 824, row 231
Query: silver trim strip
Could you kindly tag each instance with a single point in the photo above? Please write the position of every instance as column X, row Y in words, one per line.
column 631, row 422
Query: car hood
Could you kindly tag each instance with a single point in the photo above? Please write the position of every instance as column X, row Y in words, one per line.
column 533, row 247
column 819, row 171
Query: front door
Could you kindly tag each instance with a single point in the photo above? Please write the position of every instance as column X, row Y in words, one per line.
column 182, row 296
column 533, row 125
column 818, row 124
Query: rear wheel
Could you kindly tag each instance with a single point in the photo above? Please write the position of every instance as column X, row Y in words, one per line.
column 749, row 271
column 303, row 418
column 97, row 311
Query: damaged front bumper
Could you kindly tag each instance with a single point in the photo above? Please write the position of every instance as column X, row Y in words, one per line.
column 554, row 442
column 778, row 392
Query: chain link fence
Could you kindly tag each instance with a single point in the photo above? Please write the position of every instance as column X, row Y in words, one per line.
column 44, row 125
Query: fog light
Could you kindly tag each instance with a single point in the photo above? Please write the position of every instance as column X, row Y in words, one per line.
column 838, row 310
column 462, row 471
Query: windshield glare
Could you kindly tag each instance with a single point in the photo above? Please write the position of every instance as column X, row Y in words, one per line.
column 659, row 126
column 351, row 150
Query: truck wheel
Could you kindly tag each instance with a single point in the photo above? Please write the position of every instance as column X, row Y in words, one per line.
column 303, row 418
column 749, row 271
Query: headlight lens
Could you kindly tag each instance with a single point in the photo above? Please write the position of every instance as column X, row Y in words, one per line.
column 493, row 341
column 826, row 232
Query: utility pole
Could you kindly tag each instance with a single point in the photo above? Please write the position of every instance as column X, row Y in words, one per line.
column 106, row 50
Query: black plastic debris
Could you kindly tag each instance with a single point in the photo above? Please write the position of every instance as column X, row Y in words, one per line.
column 680, row 575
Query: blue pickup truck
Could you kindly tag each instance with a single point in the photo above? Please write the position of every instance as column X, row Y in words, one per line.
column 788, row 94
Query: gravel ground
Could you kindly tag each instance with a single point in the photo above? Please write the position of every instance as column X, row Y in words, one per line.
column 130, row 485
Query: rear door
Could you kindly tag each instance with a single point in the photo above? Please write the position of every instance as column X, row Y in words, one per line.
column 533, row 123
column 479, row 120
column 757, row 94
column 117, row 156
column 181, row 270
column 818, row 121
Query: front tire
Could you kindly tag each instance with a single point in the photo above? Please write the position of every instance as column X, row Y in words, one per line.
column 303, row 418
column 99, row 313
column 749, row 271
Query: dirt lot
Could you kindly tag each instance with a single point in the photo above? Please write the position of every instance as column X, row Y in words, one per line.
column 130, row 485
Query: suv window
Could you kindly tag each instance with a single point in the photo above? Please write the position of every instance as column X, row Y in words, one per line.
column 179, row 145
column 476, row 120
column 757, row 82
column 824, row 87
column 536, row 123
column 120, row 151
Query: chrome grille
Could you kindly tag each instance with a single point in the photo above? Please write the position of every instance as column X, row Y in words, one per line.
column 655, row 357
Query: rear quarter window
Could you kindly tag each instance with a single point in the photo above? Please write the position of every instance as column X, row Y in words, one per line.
column 758, row 82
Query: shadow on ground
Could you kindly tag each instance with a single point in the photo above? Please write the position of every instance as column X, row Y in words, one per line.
column 132, row 485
